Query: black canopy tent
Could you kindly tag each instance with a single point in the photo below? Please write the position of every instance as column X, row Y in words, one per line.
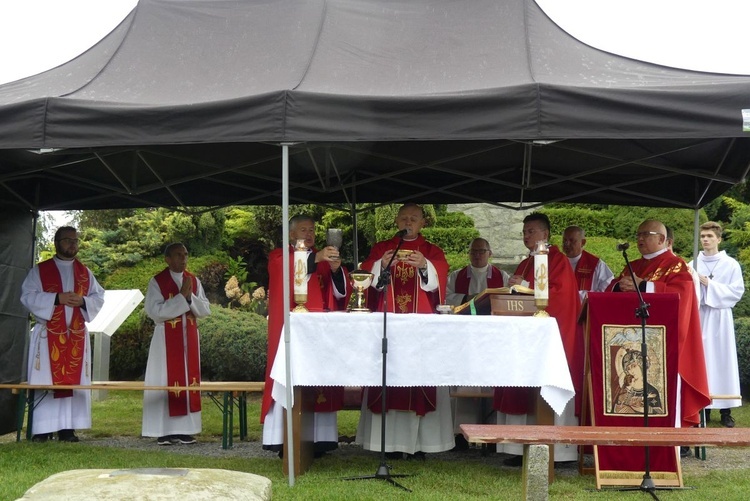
column 186, row 102
column 194, row 102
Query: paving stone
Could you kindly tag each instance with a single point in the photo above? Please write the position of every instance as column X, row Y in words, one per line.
column 154, row 484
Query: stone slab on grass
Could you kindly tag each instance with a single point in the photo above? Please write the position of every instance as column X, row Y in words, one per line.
column 185, row 484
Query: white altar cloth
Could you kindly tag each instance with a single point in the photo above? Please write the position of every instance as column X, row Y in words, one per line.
column 345, row 349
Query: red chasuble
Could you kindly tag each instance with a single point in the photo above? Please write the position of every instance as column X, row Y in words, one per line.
column 564, row 305
column 585, row 270
column 67, row 345
column 669, row 273
column 320, row 298
column 494, row 279
column 406, row 296
column 175, row 346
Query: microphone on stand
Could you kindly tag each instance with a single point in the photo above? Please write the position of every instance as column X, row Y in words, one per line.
column 402, row 233
column 623, row 246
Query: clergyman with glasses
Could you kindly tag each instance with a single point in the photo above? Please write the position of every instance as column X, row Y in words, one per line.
column 62, row 294
column 564, row 305
column 660, row 270
column 463, row 285
column 469, row 281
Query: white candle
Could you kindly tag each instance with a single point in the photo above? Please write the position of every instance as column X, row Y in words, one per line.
column 300, row 268
column 541, row 274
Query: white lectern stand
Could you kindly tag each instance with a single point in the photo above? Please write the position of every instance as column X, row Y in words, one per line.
column 118, row 305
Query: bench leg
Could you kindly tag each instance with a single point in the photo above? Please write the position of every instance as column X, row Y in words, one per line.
column 700, row 451
column 226, row 412
column 20, row 413
column 242, row 407
column 231, row 420
column 30, row 414
column 535, row 476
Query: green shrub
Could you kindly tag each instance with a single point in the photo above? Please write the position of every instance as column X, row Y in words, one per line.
column 451, row 240
column 233, row 345
column 456, row 260
column 594, row 221
column 212, row 279
column 742, row 334
column 454, row 220
column 129, row 347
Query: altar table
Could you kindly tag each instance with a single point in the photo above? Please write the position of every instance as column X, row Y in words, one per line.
column 345, row 349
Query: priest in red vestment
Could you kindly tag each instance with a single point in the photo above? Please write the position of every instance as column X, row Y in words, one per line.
column 512, row 404
column 174, row 301
column 479, row 275
column 659, row 270
column 327, row 290
column 592, row 274
column 418, row 420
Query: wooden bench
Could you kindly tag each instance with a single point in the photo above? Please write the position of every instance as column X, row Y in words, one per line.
column 602, row 435
column 234, row 393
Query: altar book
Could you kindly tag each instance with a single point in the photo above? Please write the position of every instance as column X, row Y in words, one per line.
column 481, row 304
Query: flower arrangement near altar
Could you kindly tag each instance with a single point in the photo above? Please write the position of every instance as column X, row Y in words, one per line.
column 240, row 298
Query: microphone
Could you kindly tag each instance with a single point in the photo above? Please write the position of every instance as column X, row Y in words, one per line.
column 402, row 233
column 623, row 246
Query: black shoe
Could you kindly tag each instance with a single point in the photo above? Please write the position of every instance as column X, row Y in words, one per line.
column 165, row 440
column 67, row 436
column 417, row 456
column 727, row 420
column 183, row 439
column 394, row 455
column 707, row 412
column 514, row 461
column 684, row 451
column 42, row 437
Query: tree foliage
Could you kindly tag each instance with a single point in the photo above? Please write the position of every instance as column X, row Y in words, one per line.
column 116, row 238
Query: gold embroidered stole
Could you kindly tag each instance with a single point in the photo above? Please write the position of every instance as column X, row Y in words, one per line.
column 67, row 344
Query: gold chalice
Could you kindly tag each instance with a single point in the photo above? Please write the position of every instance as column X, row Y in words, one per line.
column 360, row 280
column 403, row 254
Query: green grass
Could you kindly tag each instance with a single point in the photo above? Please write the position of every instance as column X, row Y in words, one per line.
column 24, row 464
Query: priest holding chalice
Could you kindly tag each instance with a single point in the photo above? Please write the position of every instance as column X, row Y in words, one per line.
column 419, row 418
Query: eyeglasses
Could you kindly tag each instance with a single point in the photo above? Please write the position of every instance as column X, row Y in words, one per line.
column 645, row 234
column 478, row 251
column 69, row 240
column 530, row 231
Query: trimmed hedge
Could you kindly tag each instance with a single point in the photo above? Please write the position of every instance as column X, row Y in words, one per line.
column 129, row 347
column 742, row 334
column 233, row 346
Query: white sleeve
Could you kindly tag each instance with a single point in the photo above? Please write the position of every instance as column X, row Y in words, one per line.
column 451, row 297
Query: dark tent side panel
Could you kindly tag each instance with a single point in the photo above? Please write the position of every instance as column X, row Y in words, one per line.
column 16, row 241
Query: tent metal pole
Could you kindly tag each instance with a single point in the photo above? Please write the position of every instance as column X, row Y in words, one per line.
column 355, row 226
column 696, row 235
column 286, row 274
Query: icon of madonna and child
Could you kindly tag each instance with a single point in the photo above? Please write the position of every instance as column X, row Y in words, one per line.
column 626, row 392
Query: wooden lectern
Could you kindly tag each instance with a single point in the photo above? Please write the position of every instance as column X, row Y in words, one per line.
column 512, row 304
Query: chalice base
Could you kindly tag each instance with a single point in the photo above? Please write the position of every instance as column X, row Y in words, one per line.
column 541, row 306
column 300, row 299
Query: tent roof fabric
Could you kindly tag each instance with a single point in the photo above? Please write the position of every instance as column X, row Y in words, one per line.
column 187, row 101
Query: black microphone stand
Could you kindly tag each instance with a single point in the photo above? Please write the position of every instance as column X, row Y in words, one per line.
column 384, row 470
column 647, row 484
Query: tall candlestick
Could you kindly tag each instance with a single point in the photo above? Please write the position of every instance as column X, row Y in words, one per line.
column 300, row 275
column 541, row 278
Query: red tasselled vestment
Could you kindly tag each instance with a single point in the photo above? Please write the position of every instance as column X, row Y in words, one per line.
column 669, row 273
column 564, row 305
column 320, row 298
column 406, row 296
